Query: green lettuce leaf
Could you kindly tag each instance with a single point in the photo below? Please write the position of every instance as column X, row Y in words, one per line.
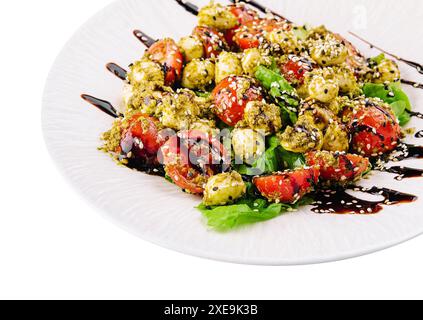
column 281, row 91
column 274, row 159
column 394, row 96
column 245, row 212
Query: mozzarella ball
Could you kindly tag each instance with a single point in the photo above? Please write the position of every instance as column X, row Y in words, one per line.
column 346, row 79
column 146, row 73
column 336, row 138
column 285, row 41
column 217, row 16
column 248, row 145
column 324, row 90
column 262, row 117
column 224, row 189
column 227, row 64
column 252, row 59
column 303, row 138
column 192, row 48
column 328, row 51
column 386, row 71
column 198, row 74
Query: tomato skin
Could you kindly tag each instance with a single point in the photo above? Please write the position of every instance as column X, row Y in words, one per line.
column 168, row 54
column 288, row 186
column 251, row 34
column 375, row 130
column 295, row 69
column 185, row 177
column 213, row 41
column 146, row 130
column 228, row 106
column 243, row 13
column 191, row 157
column 347, row 167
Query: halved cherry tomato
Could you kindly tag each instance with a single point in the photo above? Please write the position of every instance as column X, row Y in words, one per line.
column 191, row 157
column 213, row 41
column 145, row 129
column 230, row 100
column 295, row 69
column 168, row 54
column 244, row 15
column 141, row 141
column 338, row 167
column 374, row 129
column 251, row 34
column 288, row 186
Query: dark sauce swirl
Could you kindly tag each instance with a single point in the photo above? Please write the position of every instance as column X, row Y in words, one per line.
column 117, row 70
column 419, row 134
column 404, row 172
column 188, row 6
column 416, row 114
column 144, row 38
column 338, row 201
column 102, row 105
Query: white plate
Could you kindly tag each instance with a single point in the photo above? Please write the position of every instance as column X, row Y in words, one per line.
column 156, row 210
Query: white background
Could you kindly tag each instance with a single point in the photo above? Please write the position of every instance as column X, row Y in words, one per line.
column 53, row 245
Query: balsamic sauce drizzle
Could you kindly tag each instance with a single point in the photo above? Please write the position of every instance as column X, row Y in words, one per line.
column 103, row 105
column 338, row 201
column 412, row 83
column 144, row 38
column 419, row 134
column 404, row 172
column 188, row 6
column 117, row 70
column 262, row 8
column 416, row 114
column 417, row 66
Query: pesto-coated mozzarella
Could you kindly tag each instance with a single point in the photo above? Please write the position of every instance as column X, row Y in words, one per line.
column 336, row 138
column 217, row 16
column 224, row 189
column 285, row 41
column 227, row 64
column 328, row 51
column 346, row 79
column 262, row 117
column 248, row 145
column 252, row 59
column 302, row 138
column 324, row 90
column 191, row 47
column 146, row 73
column 386, row 71
column 198, row 74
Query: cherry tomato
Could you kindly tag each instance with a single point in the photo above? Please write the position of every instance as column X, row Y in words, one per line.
column 145, row 129
column 141, row 141
column 230, row 101
column 243, row 13
column 252, row 33
column 295, row 69
column 213, row 41
column 374, row 129
column 191, row 157
column 167, row 53
column 338, row 167
column 288, row 186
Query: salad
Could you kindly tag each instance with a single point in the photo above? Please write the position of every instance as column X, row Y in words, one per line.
column 256, row 114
